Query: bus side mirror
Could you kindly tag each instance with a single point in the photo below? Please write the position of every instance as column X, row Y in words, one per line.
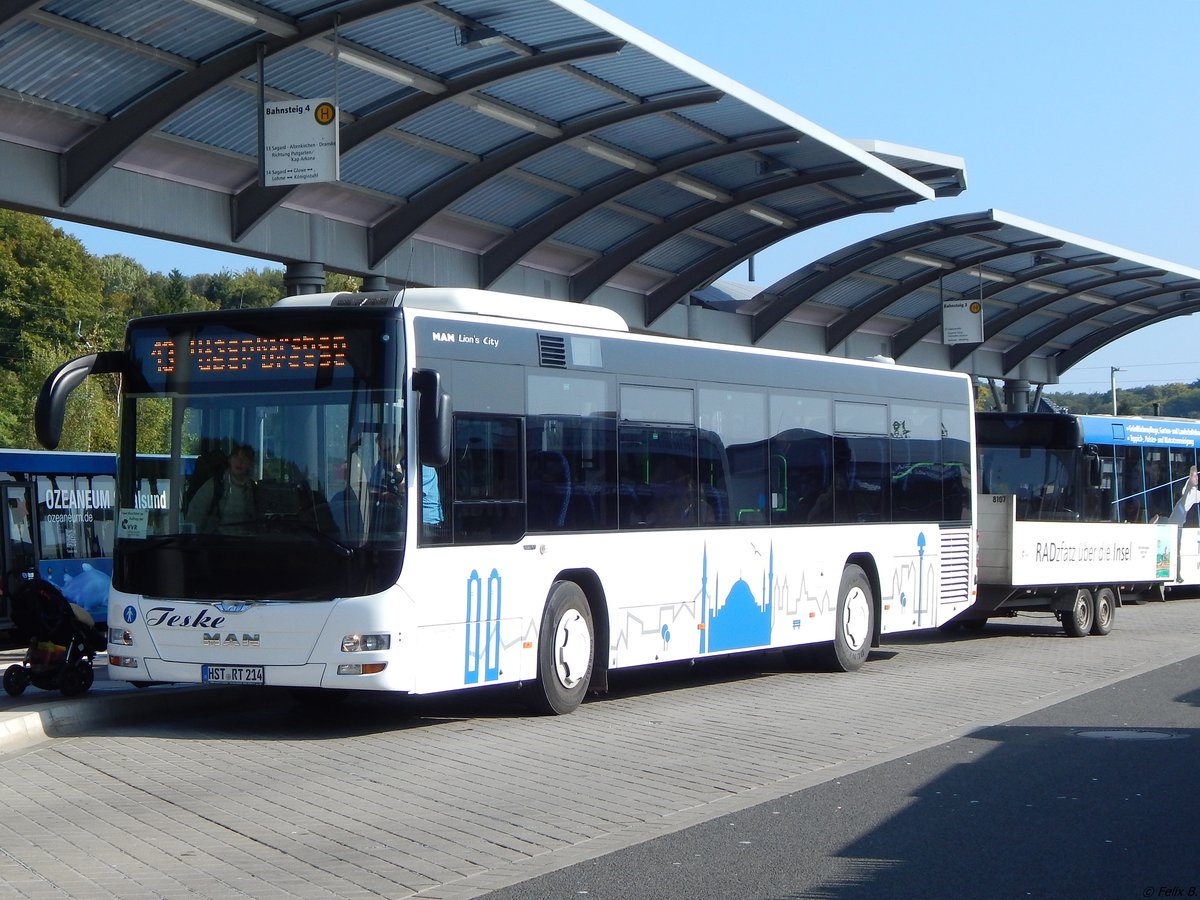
column 434, row 418
column 51, row 405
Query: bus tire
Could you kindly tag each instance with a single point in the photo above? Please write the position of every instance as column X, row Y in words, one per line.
column 566, row 648
column 1077, row 621
column 1106, row 611
column 855, row 623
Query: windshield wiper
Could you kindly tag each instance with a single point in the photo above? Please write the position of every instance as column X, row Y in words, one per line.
column 290, row 523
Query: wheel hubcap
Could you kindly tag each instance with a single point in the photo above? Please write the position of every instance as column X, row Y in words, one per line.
column 855, row 615
column 572, row 649
column 1082, row 613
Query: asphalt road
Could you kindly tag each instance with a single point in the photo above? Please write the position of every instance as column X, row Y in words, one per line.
column 1095, row 797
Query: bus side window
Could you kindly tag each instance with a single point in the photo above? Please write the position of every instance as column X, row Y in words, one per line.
column 488, row 496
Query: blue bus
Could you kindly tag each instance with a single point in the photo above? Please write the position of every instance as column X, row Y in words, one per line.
column 59, row 525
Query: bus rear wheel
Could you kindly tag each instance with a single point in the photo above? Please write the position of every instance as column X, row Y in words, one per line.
column 1106, row 611
column 566, row 648
column 855, row 622
column 1077, row 621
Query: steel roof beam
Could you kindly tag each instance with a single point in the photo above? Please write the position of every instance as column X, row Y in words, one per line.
column 1021, row 310
column 911, row 334
column 922, row 325
column 252, row 203
column 589, row 280
column 90, row 157
column 12, row 9
column 495, row 262
column 844, row 326
column 1101, row 338
column 96, row 35
column 787, row 294
column 402, row 224
column 797, row 291
column 710, row 267
column 1043, row 336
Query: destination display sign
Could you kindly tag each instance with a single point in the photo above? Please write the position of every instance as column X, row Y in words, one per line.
column 270, row 355
column 254, row 354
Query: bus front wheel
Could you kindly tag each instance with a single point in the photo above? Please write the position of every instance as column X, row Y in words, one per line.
column 855, row 621
column 565, row 651
column 1077, row 621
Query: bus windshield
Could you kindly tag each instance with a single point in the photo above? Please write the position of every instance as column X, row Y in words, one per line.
column 284, row 438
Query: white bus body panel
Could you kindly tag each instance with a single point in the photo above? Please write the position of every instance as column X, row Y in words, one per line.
column 1189, row 557
column 1042, row 554
column 672, row 595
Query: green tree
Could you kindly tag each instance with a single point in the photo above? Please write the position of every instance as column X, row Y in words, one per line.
column 51, row 303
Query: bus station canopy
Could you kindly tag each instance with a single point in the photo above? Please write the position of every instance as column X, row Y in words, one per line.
column 540, row 147
column 477, row 138
column 1049, row 298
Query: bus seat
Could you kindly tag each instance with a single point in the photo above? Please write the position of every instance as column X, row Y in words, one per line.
column 717, row 505
column 549, row 492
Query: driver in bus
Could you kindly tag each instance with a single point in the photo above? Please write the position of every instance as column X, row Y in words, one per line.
column 390, row 480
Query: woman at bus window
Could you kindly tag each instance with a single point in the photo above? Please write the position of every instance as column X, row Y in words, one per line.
column 390, row 481
column 226, row 503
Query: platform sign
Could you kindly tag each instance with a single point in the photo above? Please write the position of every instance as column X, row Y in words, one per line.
column 962, row 322
column 300, row 142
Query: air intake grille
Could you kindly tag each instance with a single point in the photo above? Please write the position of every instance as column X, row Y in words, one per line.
column 552, row 350
column 956, row 565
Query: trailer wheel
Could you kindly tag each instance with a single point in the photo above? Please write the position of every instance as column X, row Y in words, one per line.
column 1077, row 621
column 1106, row 611
column 565, row 651
column 855, row 622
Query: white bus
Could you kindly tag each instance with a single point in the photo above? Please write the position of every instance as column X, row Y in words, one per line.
column 1064, row 524
column 590, row 499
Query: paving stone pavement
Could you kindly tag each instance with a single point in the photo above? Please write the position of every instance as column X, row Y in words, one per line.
column 195, row 792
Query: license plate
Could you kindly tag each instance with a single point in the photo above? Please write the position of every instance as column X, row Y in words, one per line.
column 231, row 674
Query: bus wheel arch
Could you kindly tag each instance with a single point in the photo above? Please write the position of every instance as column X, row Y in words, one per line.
column 856, row 628
column 866, row 562
column 566, row 651
column 589, row 583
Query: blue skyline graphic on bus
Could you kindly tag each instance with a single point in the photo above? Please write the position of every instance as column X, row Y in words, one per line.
column 739, row 621
column 482, row 651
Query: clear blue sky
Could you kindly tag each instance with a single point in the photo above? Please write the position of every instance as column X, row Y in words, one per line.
column 1082, row 116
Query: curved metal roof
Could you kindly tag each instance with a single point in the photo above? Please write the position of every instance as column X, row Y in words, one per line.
column 1049, row 298
column 536, row 133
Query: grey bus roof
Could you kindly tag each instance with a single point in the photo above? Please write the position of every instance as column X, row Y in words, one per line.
column 471, row 301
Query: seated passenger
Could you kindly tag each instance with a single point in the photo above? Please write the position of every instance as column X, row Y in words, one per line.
column 227, row 502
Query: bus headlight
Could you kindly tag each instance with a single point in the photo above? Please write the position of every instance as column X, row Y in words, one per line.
column 120, row 636
column 361, row 668
column 354, row 643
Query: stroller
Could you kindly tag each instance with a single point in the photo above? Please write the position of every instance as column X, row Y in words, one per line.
column 62, row 641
